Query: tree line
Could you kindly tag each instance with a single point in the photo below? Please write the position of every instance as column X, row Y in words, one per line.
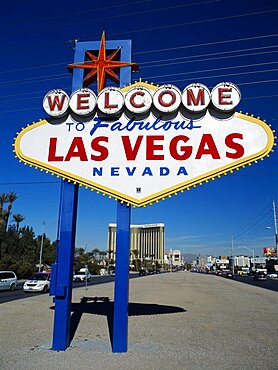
column 19, row 246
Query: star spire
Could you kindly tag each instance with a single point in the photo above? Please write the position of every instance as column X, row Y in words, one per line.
column 102, row 67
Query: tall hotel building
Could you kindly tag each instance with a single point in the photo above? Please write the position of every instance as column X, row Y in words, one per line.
column 147, row 239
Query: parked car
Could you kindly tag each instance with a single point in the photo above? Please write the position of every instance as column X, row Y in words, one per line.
column 194, row 270
column 39, row 282
column 244, row 271
column 218, row 272
column 8, row 280
column 227, row 274
column 272, row 275
column 260, row 275
column 142, row 272
column 81, row 276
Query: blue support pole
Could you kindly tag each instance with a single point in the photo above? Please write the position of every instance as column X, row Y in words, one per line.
column 62, row 288
column 121, row 290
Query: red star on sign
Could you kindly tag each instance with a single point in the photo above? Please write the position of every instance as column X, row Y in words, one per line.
column 102, row 66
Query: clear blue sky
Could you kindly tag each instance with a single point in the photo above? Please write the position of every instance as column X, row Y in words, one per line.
column 177, row 42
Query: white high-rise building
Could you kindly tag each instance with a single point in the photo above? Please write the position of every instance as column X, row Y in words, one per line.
column 148, row 240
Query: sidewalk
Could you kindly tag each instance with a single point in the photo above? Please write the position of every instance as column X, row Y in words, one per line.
column 177, row 320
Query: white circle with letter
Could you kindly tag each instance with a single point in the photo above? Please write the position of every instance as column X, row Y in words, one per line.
column 110, row 100
column 56, row 102
column 225, row 96
column 83, row 101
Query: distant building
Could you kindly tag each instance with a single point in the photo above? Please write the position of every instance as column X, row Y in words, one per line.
column 148, row 240
column 174, row 257
column 241, row 261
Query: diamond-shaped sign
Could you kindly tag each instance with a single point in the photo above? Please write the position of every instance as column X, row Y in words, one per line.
column 141, row 159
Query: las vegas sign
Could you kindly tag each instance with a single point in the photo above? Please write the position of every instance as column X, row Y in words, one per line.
column 143, row 143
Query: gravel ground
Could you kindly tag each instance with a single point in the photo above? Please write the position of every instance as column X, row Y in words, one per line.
column 181, row 320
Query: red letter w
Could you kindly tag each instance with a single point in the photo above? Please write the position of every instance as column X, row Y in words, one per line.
column 57, row 101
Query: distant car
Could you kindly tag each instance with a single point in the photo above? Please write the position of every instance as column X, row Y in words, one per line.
column 260, row 275
column 8, row 280
column 227, row 274
column 39, row 282
column 81, row 276
column 142, row 272
column 112, row 273
column 272, row 275
column 218, row 273
column 103, row 272
column 157, row 271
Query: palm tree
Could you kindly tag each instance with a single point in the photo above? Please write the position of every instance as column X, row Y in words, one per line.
column 102, row 255
column 3, row 200
column 11, row 197
column 95, row 253
column 79, row 251
column 17, row 219
column 135, row 253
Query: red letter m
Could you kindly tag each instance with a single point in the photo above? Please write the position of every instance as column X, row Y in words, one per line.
column 196, row 101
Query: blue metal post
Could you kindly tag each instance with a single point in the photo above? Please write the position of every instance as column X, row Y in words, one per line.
column 121, row 290
column 62, row 289
column 67, row 229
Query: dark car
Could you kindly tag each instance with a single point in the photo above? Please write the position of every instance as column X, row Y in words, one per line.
column 227, row 274
column 142, row 272
column 260, row 275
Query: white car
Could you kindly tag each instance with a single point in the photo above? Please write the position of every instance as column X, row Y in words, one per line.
column 39, row 282
column 8, row 280
column 81, row 276
column 103, row 272
column 272, row 275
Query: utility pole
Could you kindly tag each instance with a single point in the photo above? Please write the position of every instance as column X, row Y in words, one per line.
column 233, row 265
column 275, row 225
column 40, row 263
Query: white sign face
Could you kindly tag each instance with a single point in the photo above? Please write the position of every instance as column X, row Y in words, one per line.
column 143, row 160
column 259, row 260
column 223, row 262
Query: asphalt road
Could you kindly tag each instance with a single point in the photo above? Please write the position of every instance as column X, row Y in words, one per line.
column 7, row 296
column 182, row 320
column 271, row 284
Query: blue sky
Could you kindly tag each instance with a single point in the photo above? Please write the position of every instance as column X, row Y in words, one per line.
column 177, row 42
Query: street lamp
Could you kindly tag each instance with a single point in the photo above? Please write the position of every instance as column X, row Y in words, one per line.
column 40, row 263
column 42, row 240
column 251, row 250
